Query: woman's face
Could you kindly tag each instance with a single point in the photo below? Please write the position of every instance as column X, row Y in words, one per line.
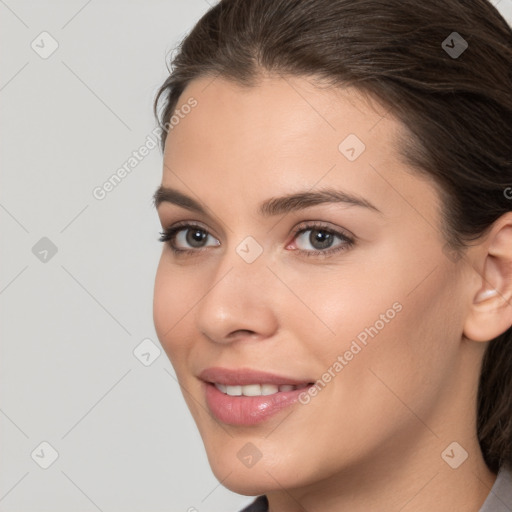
column 350, row 289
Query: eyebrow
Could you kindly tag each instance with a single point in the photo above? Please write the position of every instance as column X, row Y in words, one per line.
column 272, row 206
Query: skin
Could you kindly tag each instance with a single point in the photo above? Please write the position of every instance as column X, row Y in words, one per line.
column 372, row 438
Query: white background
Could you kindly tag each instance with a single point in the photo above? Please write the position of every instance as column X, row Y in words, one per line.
column 124, row 437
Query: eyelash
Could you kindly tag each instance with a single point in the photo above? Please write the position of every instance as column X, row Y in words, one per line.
column 169, row 234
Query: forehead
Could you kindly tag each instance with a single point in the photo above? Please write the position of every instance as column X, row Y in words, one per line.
column 279, row 109
column 287, row 133
column 280, row 118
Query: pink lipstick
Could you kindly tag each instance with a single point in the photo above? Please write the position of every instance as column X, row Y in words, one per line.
column 247, row 397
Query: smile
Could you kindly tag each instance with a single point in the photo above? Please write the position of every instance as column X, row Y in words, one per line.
column 256, row 389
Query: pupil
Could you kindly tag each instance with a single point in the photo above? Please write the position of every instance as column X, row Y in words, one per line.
column 195, row 237
column 320, row 239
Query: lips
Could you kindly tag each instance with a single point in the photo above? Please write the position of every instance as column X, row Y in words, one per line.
column 246, row 397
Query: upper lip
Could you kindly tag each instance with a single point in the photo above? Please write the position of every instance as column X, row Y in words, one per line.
column 244, row 377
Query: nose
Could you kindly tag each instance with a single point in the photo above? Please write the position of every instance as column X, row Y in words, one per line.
column 241, row 302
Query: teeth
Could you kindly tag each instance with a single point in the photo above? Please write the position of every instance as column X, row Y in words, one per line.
column 221, row 387
column 251, row 390
column 256, row 389
column 269, row 389
column 234, row 390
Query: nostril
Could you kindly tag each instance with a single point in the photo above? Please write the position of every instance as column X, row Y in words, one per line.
column 239, row 332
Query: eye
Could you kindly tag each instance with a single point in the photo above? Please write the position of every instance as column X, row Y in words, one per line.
column 315, row 239
column 187, row 238
column 191, row 238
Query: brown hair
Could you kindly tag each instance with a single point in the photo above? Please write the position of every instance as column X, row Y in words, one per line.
column 457, row 108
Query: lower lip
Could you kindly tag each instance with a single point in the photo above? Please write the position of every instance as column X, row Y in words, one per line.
column 247, row 410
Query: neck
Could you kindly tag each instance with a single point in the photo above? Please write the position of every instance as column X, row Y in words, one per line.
column 417, row 469
column 421, row 483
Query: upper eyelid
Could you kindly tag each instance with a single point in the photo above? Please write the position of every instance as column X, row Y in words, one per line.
column 303, row 226
column 177, row 226
column 308, row 225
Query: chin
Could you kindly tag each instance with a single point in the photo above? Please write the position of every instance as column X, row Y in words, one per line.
column 254, row 480
column 250, row 482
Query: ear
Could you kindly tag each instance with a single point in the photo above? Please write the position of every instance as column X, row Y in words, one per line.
column 490, row 313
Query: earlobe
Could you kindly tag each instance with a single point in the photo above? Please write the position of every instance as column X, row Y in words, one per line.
column 490, row 315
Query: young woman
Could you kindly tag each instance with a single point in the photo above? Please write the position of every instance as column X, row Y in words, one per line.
column 335, row 286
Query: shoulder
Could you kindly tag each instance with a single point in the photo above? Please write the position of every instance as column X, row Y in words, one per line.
column 500, row 496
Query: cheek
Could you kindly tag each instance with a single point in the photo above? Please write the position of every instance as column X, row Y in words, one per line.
column 173, row 298
column 395, row 338
column 338, row 306
column 404, row 361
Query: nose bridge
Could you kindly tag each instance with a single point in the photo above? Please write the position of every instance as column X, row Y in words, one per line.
column 243, row 266
column 239, row 296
